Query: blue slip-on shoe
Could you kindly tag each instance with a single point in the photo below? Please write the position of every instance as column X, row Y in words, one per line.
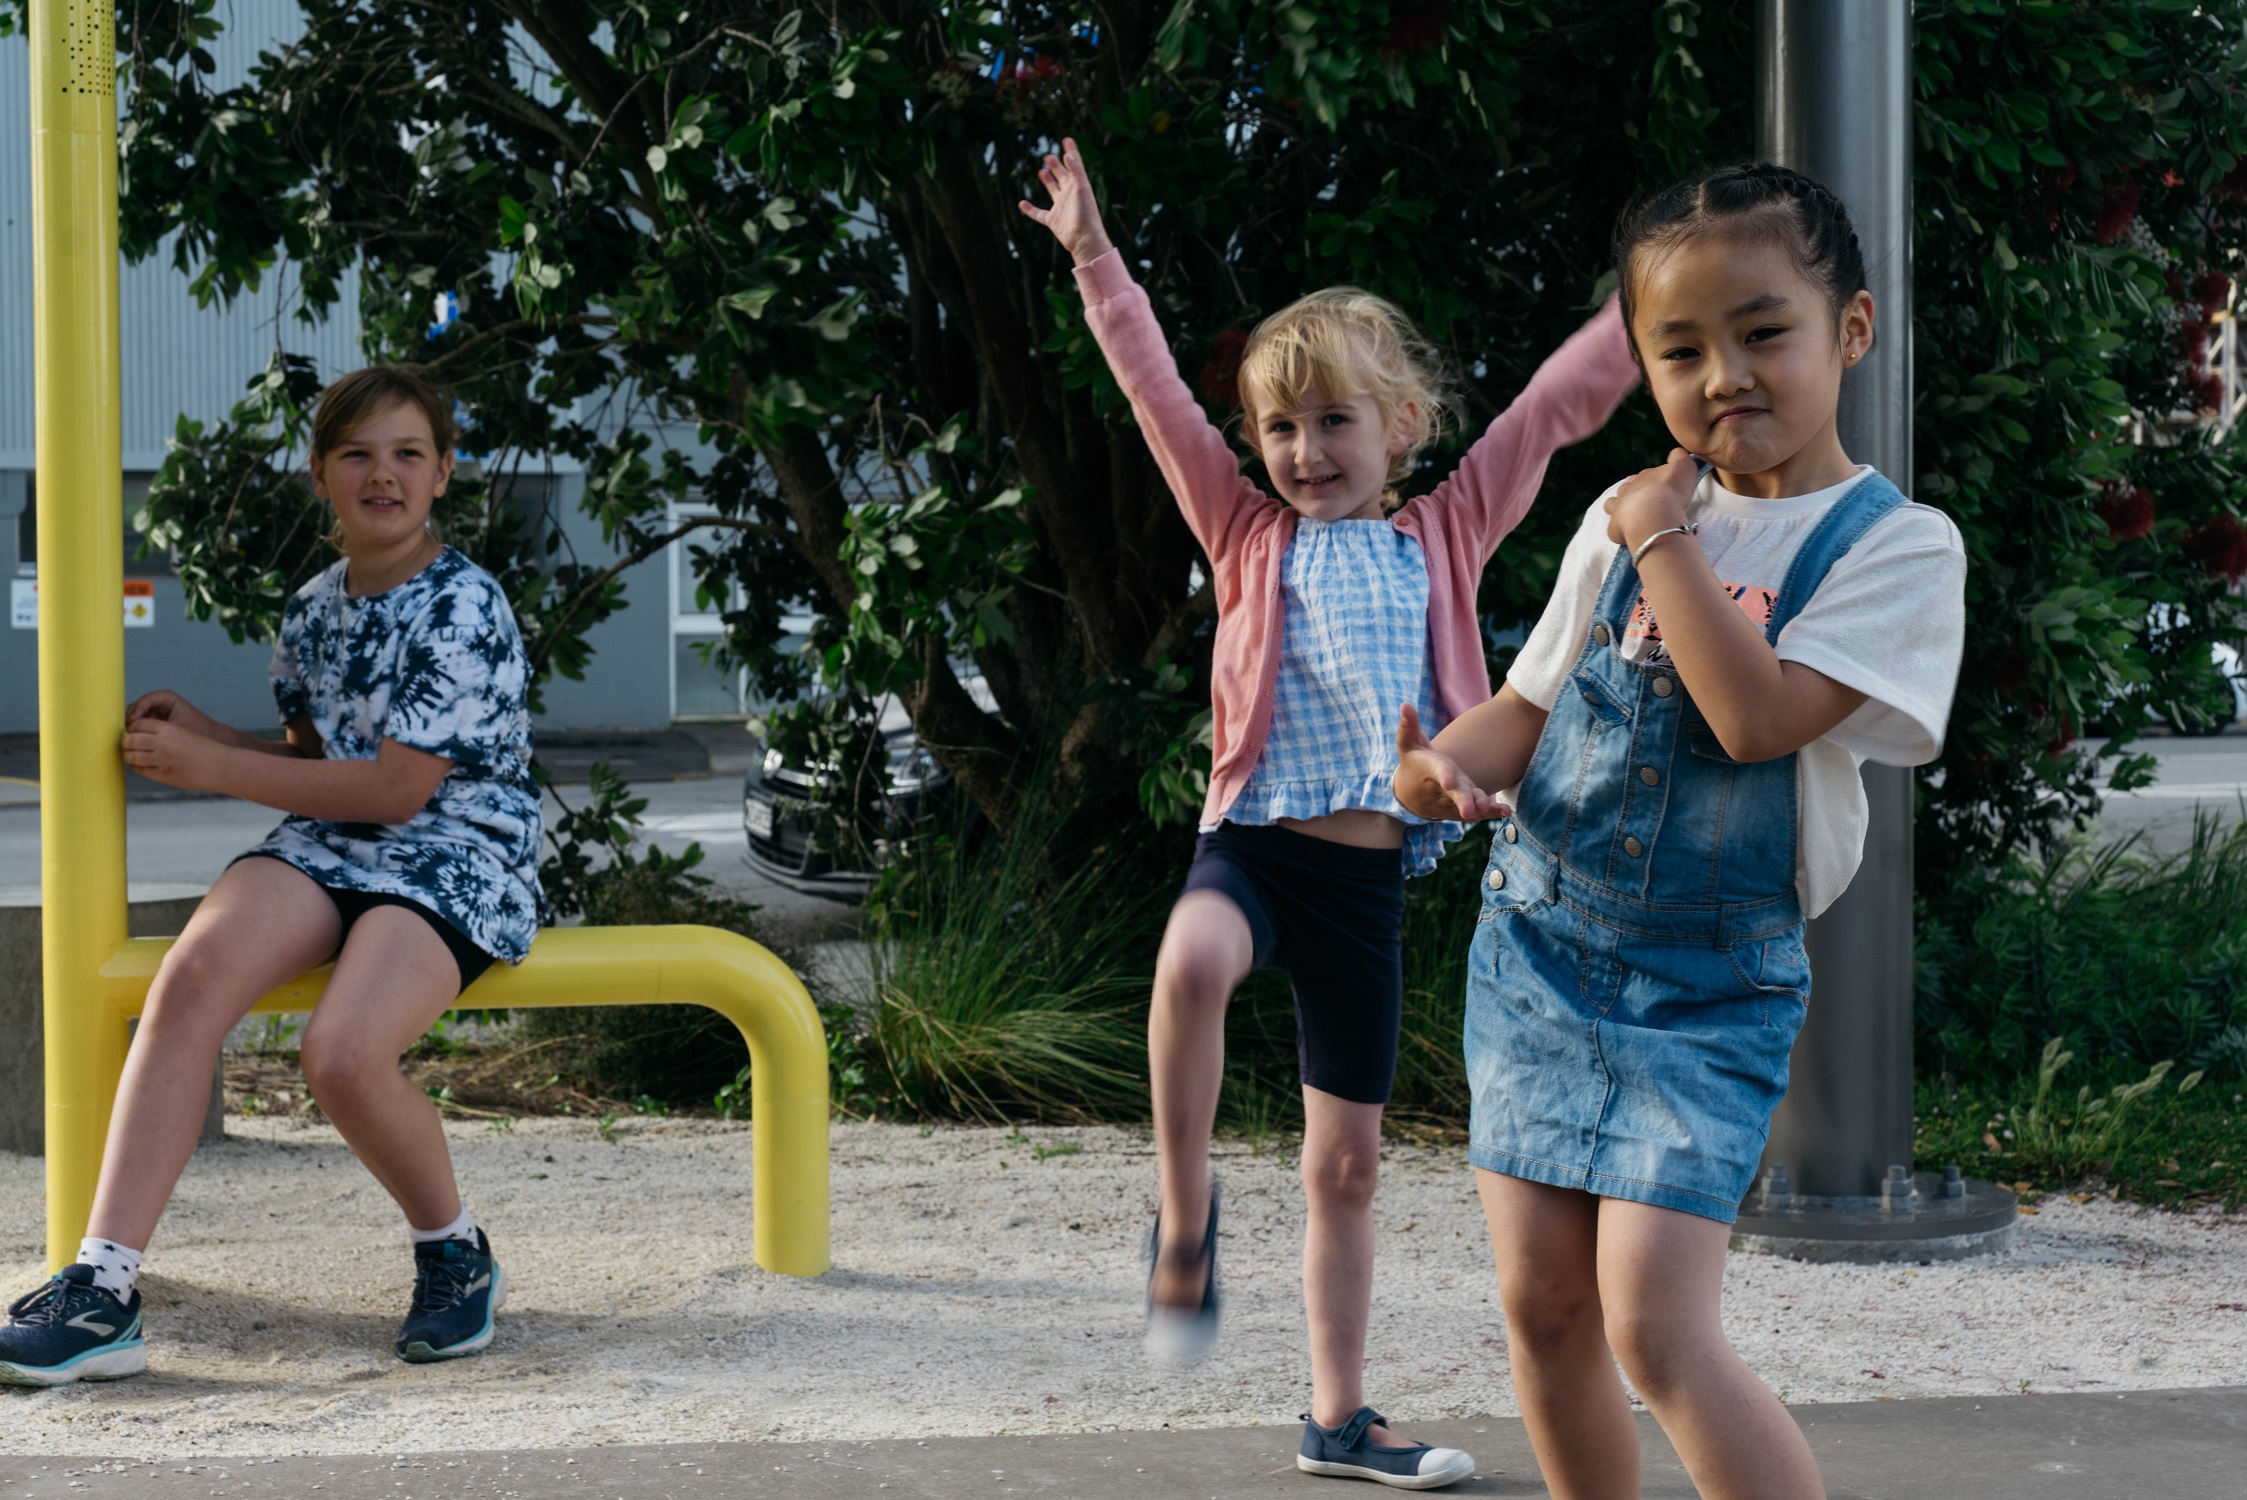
column 458, row 1288
column 1184, row 1335
column 70, row 1330
column 1344, row 1453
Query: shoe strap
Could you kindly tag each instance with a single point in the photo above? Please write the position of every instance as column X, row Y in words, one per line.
column 1352, row 1433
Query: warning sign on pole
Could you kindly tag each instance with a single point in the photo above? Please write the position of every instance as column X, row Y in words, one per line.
column 140, row 603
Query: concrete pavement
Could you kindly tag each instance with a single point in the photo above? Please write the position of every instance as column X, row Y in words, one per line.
column 2178, row 1445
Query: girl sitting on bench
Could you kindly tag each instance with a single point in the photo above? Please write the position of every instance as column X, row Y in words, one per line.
column 409, row 857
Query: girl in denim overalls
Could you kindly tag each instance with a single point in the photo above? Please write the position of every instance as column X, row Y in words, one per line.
column 1732, row 633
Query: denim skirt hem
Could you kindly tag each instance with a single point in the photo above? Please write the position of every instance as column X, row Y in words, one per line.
column 1601, row 1185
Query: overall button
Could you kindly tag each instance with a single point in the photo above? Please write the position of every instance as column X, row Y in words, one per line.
column 1599, row 634
column 1513, row 834
column 1650, row 776
column 1663, row 687
column 1633, row 848
column 1497, row 880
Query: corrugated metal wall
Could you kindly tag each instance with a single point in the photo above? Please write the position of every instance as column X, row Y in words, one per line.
column 178, row 358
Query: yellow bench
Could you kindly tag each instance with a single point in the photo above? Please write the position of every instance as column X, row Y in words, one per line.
column 571, row 966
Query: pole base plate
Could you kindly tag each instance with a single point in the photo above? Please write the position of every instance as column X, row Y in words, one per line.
column 1868, row 1231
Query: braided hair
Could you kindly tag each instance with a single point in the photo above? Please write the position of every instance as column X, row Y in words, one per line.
column 1756, row 198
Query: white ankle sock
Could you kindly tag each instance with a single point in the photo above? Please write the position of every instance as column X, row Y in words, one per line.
column 116, row 1267
column 462, row 1228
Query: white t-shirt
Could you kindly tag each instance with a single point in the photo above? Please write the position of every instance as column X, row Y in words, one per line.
column 1889, row 620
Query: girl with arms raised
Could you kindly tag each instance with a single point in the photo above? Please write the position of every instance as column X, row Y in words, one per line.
column 409, row 856
column 1729, row 639
column 1331, row 609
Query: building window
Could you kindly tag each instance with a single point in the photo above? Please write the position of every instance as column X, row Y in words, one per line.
column 699, row 690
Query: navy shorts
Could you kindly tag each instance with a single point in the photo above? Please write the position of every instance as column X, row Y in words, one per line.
column 1331, row 917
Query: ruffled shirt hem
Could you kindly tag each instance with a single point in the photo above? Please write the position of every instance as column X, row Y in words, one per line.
column 1264, row 802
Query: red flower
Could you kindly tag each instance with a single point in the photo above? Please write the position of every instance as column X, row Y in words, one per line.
column 2118, row 205
column 2127, row 510
column 2210, row 292
column 2207, row 389
column 1415, row 26
column 1035, row 76
column 1220, row 381
column 2192, row 341
column 2219, row 544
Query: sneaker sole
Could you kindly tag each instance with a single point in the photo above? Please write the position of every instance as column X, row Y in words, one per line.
column 1437, row 1480
column 118, row 1362
column 1176, row 1338
column 418, row 1353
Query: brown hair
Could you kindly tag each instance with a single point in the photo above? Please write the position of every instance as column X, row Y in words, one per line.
column 1347, row 342
column 354, row 398
column 359, row 395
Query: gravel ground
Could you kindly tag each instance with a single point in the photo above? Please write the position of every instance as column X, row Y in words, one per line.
column 979, row 1287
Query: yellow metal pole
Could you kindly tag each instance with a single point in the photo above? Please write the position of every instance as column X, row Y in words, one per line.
column 81, row 577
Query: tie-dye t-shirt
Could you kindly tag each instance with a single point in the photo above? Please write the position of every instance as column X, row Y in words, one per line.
column 437, row 665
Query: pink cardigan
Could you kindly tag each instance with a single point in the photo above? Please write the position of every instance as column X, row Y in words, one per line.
column 1246, row 532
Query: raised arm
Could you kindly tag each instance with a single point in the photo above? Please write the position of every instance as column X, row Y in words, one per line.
column 1570, row 397
column 1192, row 454
column 1758, row 706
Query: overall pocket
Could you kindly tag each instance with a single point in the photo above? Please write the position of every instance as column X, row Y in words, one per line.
column 1776, row 967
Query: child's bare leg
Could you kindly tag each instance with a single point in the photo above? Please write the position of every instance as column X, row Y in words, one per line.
column 262, row 924
column 1207, row 949
column 1341, row 1169
column 1661, row 1277
column 394, row 978
column 1546, row 1241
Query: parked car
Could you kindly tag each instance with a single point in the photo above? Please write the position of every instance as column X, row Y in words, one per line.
column 779, row 797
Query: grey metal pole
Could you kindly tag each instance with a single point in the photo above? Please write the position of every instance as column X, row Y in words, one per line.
column 1834, row 100
column 1834, row 95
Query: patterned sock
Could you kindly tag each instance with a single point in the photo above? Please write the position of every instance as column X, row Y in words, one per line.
column 116, row 1267
column 462, row 1228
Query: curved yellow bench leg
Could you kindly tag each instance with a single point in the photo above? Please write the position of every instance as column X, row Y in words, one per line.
column 571, row 966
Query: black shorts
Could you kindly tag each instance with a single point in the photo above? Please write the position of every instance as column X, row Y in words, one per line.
column 1331, row 917
column 350, row 906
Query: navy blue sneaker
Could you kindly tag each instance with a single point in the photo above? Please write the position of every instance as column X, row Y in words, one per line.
column 458, row 1287
column 1183, row 1335
column 1343, row 1452
column 70, row 1330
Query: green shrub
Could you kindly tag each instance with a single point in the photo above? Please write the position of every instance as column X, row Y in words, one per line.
column 2126, row 957
column 2182, row 1146
column 1011, row 981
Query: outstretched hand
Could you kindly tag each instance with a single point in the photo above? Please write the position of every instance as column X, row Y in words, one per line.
column 1075, row 215
column 1430, row 784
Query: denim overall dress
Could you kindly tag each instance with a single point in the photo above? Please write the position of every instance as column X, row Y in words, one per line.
column 1637, row 975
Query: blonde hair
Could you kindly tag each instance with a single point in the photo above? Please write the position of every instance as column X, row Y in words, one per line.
column 1347, row 342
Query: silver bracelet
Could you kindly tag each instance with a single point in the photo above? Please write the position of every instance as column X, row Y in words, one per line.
column 1690, row 528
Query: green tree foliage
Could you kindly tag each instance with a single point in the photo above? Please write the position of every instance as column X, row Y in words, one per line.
column 769, row 257
column 2082, row 206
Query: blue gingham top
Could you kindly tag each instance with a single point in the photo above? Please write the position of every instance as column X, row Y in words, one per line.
column 1353, row 646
